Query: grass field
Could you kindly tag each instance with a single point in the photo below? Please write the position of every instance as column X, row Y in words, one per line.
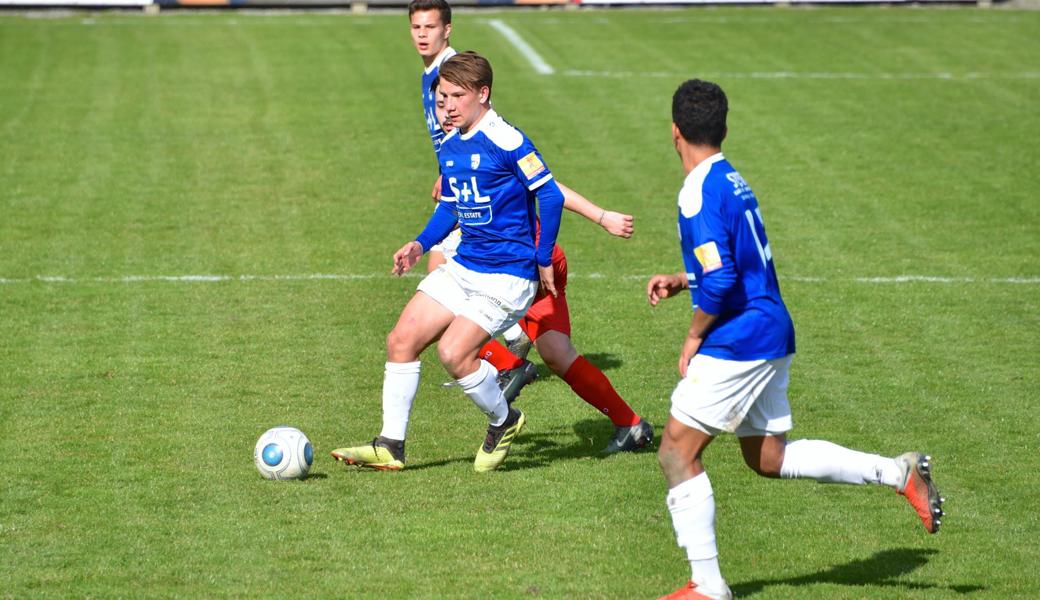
column 172, row 190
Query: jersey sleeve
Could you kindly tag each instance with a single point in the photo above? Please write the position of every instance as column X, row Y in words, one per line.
column 550, row 211
column 713, row 232
column 530, row 169
column 439, row 226
column 528, row 166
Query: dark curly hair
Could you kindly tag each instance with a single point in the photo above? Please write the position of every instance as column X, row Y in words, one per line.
column 699, row 110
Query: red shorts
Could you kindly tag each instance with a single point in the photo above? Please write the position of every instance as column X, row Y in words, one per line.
column 548, row 313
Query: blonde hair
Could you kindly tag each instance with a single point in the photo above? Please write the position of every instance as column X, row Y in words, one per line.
column 468, row 70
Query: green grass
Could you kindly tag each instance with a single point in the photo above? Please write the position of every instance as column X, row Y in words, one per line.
column 280, row 146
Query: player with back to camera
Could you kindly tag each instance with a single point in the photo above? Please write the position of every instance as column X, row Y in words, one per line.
column 548, row 319
column 490, row 167
column 735, row 358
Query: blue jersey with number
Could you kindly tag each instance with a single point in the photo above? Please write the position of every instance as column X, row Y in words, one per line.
column 429, row 99
column 487, row 175
column 730, row 266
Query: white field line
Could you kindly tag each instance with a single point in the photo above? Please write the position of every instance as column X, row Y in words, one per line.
column 941, row 76
column 128, row 279
column 540, row 66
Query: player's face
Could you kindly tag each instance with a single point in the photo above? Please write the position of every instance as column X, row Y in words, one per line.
column 442, row 113
column 463, row 106
column 429, row 34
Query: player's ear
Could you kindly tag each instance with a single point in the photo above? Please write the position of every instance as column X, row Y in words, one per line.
column 485, row 93
column 447, row 31
column 676, row 134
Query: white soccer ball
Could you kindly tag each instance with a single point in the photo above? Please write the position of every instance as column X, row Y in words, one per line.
column 283, row 453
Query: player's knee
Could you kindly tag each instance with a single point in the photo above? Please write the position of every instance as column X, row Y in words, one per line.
column 399, row 346
column 557, row 363
column 766, row 466
column 557, row 352
column 452, row 359
column 672, row 461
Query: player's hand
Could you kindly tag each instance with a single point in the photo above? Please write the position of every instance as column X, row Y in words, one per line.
column 436, row 191
column 689, row 349
column 617, row 224
column 664, row 286
column 406, row 257
column 546, row 276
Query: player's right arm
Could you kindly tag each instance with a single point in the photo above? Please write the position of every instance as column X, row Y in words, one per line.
column 406, row 257
column 435, row 193
column 441, row 222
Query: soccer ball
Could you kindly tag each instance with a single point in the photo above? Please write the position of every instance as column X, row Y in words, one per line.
column 283, row 453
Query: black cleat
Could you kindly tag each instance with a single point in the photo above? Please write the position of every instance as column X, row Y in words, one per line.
column 511, row 381
column 629, row 439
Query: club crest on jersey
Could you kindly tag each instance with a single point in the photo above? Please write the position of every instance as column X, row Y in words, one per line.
column 474, row 161
column 531, row 165
column 708, row 256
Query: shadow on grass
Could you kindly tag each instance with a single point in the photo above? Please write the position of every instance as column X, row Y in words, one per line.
column 880, row 570
column 585, row 440
column 604, row 360
column 582, row 441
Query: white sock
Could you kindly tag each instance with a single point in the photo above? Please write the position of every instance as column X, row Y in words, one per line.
column 400, row 381
column 830, row 463
column 692, row 505
column 513, row 332
column 482, row 388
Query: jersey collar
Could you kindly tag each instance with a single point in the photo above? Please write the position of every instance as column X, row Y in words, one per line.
column 701, row 170
column 488, row 117
column 445, row 54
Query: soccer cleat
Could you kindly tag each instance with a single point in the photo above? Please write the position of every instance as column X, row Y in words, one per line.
column 496, row 445
column 919, row 489
column 521, row 346
column 379, row 455
column 628, row 439
column 690, row 592
column 511, row 381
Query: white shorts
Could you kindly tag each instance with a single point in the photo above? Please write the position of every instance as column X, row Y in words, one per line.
column 449, row 246
column 494, row 301
column 748, row 398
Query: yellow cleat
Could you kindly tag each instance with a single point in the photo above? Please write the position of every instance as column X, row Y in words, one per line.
column 376, row 455
column 496, row 445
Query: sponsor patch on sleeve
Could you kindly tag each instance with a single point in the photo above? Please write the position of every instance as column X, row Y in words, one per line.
column 531, row 165
column 708, row 256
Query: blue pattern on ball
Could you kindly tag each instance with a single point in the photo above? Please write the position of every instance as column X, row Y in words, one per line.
column 272, row 455
column 308, row 453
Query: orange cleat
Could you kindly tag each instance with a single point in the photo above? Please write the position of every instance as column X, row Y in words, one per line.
column 919, row 489
column 689, row 592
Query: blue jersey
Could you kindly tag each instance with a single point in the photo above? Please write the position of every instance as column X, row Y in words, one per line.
column 487, row 176
column 730, row 266
column 429, row 100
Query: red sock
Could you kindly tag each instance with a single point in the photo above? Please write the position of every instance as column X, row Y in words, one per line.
column 499, row 356
column 593, row 387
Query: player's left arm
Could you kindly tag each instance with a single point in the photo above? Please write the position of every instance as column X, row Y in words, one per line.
column 614, row 223
column 700, row 324
column 550, row 209
column 714, row 227
column 528, row 167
